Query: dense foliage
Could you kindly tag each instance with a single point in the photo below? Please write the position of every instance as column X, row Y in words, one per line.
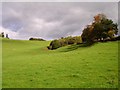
column 102, row 28
column 64, row 41
column 37, row 39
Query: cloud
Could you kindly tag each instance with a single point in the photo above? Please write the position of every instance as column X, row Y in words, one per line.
column 8, row 31
column 50, row 20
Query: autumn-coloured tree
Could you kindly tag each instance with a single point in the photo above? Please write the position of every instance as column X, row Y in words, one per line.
column 99, row 17
column 100, row 29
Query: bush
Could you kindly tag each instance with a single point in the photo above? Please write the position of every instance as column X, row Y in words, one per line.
column 78, row 40
column 64, row 41
column 37, row 39
column 49, row 47
column 71, row 41
column 54, row 45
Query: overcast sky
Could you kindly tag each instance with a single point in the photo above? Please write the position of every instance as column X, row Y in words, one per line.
column 51, row 20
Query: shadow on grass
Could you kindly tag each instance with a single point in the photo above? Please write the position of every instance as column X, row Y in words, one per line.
column 76, row 46
column 82, row 45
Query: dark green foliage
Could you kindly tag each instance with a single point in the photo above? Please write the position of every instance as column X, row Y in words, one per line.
column 70, row 40
column 86, row 35
column 100, row 30
column 54, row 44
column 37, row 39
column 2, row 34
column 64, row 41
column 117, row 38
column 78, row 39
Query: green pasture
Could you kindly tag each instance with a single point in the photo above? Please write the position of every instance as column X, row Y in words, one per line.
column 29, row 64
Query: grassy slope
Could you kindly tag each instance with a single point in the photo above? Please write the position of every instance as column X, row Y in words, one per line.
column 29, row 64
column 0, row 63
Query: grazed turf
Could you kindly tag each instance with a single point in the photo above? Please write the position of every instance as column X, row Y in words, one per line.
column 28, row 64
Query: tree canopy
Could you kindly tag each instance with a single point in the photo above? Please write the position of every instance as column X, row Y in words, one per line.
column 101, row 29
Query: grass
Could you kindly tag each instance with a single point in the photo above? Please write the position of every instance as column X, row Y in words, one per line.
column 28, row 64
column 0, row 63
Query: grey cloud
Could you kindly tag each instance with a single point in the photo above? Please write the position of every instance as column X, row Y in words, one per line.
column 52, row 20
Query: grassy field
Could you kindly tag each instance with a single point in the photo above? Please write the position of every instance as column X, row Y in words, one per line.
column 28, row 64
column 0, row 63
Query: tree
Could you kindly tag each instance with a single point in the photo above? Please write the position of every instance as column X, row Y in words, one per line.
column 99, row 17
column 100, row 29
column 2, row 34
column 7, row 36
column 88, row 35
column 105, row 28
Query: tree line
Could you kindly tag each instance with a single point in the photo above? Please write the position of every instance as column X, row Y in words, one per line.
column 36, row 39
column 101, row 29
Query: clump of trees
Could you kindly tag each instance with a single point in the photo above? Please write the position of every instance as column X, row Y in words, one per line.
column 64, row 41
column 3, row 35
column 101, row 29
column 37, row 39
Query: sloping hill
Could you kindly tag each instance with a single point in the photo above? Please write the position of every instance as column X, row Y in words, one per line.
column 28, row 64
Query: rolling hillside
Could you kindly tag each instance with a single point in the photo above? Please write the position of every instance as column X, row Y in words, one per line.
column 29, row 64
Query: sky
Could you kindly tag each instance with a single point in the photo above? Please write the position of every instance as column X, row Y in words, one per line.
column 51, row 20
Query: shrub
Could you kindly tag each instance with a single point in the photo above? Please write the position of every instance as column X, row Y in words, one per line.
column 37, row 39
column 64, row 41
column 70, row 40
column 78, row 39
column 54, row 45
column 49, row 47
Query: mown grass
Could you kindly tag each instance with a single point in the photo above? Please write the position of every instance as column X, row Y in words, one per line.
column 28, row 64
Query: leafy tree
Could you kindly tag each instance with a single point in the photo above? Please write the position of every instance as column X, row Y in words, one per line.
column 100, row 29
